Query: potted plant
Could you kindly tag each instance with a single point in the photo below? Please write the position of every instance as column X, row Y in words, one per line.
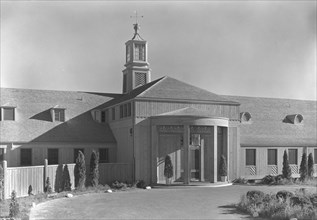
column 223, row 169
column 168, row 169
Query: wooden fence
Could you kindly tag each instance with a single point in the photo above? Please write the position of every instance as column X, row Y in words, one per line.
column 20, row 178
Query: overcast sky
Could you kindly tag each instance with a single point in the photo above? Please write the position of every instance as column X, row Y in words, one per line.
column 261, row 48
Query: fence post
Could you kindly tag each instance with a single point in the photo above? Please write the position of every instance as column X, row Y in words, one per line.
column 5, row 177
column 45, row 173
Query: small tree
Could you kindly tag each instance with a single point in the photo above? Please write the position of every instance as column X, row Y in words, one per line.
column 310, row 171
column 1, row 183
column 14, row 206
column 66, row 186
column 223, row 166
column 287, row 172
column 48, row 187
column 94, row 169
column 303, row 167
column 80, row 170
column 168, row 168
column 30, row 190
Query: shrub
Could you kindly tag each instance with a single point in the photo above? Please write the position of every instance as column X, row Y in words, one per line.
column 118, row 185
column 14, row 205
column 269, row 179
column 300, row 200
column 94, row 170
column 310, row 169
column 284, row 194
column 255, row 195
column 271, row 206
column 168, row 168
column 240, row 181
column 223, row 166
column 66, row 185
column 30, row 189
column 48, row 187
column 287, row 172
column 303, row 168
column 80, row 171
column 140, row 184
column 1, row 183
column 313, row 199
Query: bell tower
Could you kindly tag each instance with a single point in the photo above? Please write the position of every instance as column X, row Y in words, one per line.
column 137, row 71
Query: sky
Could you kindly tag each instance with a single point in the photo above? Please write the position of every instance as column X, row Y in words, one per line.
column 243, row 48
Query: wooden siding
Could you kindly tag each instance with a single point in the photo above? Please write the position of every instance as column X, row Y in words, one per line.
column 234, row 157
column 20, row 178
column 65, row 152
column 146, row 109
column 262, row 168
column 109, row 172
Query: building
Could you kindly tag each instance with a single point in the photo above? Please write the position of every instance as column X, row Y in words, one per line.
column 152, row 119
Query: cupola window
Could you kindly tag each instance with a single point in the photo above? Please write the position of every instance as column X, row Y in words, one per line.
column 140, row 79
column 139, row 52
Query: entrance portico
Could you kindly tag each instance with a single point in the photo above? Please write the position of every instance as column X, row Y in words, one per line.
column 194, row 143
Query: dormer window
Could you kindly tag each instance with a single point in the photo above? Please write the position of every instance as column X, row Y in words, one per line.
column 294, row 119
column 58, row 114
column 245, row 117
column 7, row 113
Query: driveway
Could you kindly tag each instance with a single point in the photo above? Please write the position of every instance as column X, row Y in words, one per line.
column 158, row 203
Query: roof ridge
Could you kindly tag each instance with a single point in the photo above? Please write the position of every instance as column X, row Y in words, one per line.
column 155, row 84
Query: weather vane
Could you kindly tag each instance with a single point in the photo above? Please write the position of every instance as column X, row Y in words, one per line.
column 136, row 16
column 136, row 26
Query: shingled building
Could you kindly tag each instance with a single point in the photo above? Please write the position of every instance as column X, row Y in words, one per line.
column 152, row 119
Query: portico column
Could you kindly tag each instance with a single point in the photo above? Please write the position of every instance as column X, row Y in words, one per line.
column 186, row 154
column 215, row 154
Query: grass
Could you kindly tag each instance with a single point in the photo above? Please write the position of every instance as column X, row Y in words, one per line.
column 26, row 203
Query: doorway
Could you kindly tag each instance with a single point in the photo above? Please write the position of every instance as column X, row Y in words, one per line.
column 194, row 160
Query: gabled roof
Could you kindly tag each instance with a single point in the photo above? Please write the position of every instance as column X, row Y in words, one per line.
column 170, row 89
column 188, row 111
column 267, row 127
column 34, row 123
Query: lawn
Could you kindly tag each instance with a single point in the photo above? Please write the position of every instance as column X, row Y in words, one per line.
column 158, row 203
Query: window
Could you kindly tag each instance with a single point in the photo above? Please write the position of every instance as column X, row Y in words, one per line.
column 125, row 83
column 245, row 117
column 113, row 113
column 121, row 111
column 26, row 157
column 107, row 115
column 315, row 156
column 76, row 150
column 128, row 51
column 272, row 157
column 125, row 110
column 7, row 114
column 59, row 115
column 139, row 52
column 1, row 154
column 129, row 109
column 52, row 156
column 103, row 155
column 250, row 157
column 292, row 156
column 140, row 79
column 103, row 116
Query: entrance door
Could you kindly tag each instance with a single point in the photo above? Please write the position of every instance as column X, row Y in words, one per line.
column 194, row 158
